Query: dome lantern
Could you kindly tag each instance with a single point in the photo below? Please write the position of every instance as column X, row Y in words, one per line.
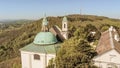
column 44, row 25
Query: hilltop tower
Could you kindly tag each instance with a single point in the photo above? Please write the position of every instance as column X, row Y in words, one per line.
column 65, row 27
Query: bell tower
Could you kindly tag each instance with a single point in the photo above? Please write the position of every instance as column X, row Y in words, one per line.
column 65, row 27
column 64, row 24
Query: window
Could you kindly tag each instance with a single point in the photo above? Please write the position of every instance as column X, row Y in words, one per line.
column 109, row 65
column 64, row 25
column 36, row 57
column 112, row 65
column 100, row 66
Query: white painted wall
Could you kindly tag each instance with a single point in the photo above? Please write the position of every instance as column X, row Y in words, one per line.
column 25, row 60
column 65, row 35
column 110, row 56
column 37, row 63
column 28, row 61
column 66, row 26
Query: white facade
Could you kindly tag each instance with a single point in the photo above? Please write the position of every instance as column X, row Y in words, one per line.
column 110, row 59
column 65, row 29
column 29, row 61
column 65, row 35
column 64, row 26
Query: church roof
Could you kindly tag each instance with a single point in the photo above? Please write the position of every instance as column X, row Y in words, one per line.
column 65, row 19
column 45, row 38
column 44, row 42
column 107, row 42
column 49, row 49
column 57, row 32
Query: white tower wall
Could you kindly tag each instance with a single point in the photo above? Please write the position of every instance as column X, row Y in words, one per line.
column 65, row 28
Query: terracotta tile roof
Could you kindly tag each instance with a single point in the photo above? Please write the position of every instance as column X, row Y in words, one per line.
column 57, row 32
column 107, row 42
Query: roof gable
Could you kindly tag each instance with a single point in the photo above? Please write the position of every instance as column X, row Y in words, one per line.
column 107, row 42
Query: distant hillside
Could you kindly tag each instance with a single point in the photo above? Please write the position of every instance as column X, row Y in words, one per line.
column 15, row 21
column 14, row 38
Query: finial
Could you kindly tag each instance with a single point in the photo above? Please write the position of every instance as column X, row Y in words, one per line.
column 45, row 15
column 111, row 28
column 64, row 19
column 44, row 24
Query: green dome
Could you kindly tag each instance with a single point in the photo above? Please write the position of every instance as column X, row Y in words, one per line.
column 45, row 38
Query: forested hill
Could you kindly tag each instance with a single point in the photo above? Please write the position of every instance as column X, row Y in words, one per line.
column 12, row 39
column 15, row 21
column 7, row 24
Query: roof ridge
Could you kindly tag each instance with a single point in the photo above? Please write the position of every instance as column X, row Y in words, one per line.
column 111, row 40
column 104, row 32
column 58, row 28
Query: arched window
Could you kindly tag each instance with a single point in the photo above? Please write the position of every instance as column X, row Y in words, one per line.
column 64, row 25
column 36, row 57
column 109, row 66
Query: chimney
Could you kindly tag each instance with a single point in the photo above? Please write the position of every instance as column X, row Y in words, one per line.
column 116, row 37
column 111, row 28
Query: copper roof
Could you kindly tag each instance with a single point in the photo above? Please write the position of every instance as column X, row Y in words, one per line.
column 107, row 42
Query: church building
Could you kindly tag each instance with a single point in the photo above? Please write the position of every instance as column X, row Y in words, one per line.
column 45, row 45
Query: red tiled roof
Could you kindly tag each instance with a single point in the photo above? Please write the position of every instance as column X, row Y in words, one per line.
column 107, row 42
column 57, row 32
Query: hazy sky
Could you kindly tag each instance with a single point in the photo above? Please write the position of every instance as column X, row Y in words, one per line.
column 35, row 9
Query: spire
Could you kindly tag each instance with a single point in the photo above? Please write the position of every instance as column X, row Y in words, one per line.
column 44, row 24
column 64, row 19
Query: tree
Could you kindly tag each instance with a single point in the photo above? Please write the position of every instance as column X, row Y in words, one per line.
column 75, row 53
column 71, row 31
column 79, row 32
column 89, row 36
column 51, row 63
column 90, row 27
column 104, row 27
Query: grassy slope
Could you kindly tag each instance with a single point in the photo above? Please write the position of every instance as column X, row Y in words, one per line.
column 12, row 63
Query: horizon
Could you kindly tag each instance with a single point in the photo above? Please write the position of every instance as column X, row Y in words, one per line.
column 4, row 20
column 28, row 9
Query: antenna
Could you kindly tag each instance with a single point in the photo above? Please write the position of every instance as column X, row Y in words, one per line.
column 80, row 11
column 44, row 14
